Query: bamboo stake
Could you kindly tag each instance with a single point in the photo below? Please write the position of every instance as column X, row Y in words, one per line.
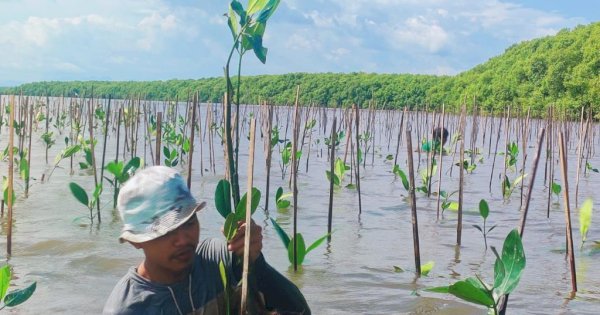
column 189, row 174
column 580, row 143
column 158, row 137
column 439, row 188
column 295, row 135
column 268, row 152
column 248, row 217
column 461, row 179
column 536, row 160
column 29, row 148
column 357, row 168
column 413, row 202
column 331, row 170
column 92, row 146
column 106, row 122
column 9, row 203
column 570, row 254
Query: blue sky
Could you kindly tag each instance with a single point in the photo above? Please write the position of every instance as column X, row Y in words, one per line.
column 185, row 39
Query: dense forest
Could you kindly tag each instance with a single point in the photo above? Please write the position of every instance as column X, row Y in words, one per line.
column 561, row 70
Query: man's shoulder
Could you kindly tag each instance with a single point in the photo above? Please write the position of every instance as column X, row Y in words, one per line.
column 129, row 296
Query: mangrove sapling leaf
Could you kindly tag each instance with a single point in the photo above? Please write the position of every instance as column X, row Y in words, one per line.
column 225, row 288
column 426, row 268
column 589, row 167
column 240, row 210
column 5, row 276
column 513, row 260
column 398, row 269
column 470, row 290
column 585, row 219
column 336, row 179
column 282, row 235
column 397, row 171
column 79, row 193
column 5, row 191
column 556, row 188
column 300, row 249
column 17, row 297
column 24, row 169
column 280, row 200
column 223, row 198
column 230, row 226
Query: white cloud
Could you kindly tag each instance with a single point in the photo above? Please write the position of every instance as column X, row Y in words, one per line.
column 418, row 31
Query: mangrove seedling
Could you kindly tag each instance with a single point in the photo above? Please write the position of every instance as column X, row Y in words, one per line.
column 507, row 273
column 508, row 187
column 556, row 189
column 171, row 157
column 233, row 215
column 281, row 199
column 339, row 170
column 66, row 153
column 121, row 172
column 425, row 269
column 48, row 142
column 484, row 211
column 512, row 152
column 5, row 191
column 398, row 172
column 426, row 176
column 585, row 219
column 288, row 242
column 15, row 297
column 590, row 168
column 467, row 166
column 447, row 203
column 81, row 195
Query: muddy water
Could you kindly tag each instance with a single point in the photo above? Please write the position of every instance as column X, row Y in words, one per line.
column 76, row 265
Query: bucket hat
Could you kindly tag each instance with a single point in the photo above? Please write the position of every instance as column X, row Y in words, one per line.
column 154, row 202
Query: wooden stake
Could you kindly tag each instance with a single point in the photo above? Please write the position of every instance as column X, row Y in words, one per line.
column 413, row 202
column 563, row 168
column 248, row 218
column 10, row 200
column 331, row 170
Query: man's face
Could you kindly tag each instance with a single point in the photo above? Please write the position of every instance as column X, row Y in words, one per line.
column 169, row 257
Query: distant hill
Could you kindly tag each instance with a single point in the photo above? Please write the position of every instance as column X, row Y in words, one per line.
column 563, row 69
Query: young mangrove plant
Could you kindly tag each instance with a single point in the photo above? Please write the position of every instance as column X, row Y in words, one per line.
column 66, row 153
column 448, row 204
column 507, row 273
column 484, row 211
column 508, row 187
column 338, row 172
column 590, row 168
column 425, row 269
column 15, row 297
column 302, row 250
column 556, row 189
column 82, row 196
column 48, row 142
column 121, row 172
column 512, row 152
column 400, row 173
column 426, row 176
column 281, row 199
column 585, row 219
column 467, row 166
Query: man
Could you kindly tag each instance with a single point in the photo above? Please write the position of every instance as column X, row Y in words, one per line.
column 179, row 274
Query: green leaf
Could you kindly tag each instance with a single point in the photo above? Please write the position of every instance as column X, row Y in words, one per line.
column 283, row 204
column 585, row 218
column 472, row 290
column 24, row 169
column 556, row 188
column 223, row 198
column 130, row 168
column 19, row 296
column 398, row 269
column 426, row 268
column 282, row 235
column 267, row 11
column 453, row 206
column 239, row 9
column 115, row 168
column 513, row 258
column 79, row 194
column 316, row 243
column 402, row 176
column 5, row 276
column 484, row 209
column 223, row 274
column 230, row 227
column 278, row 193
column 442, row 289
column 300, row 249
column 240, row 210
column 336, row 179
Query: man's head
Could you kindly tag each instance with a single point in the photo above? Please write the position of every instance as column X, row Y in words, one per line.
column 158, row 214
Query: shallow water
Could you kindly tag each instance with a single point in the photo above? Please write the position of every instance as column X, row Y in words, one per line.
column 76, row 265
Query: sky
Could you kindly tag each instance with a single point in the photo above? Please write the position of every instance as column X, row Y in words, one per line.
column 123, row 40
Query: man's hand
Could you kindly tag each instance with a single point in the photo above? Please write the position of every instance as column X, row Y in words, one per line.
column 236, row 245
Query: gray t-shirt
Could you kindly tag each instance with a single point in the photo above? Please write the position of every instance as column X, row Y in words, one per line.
column 202, row 292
